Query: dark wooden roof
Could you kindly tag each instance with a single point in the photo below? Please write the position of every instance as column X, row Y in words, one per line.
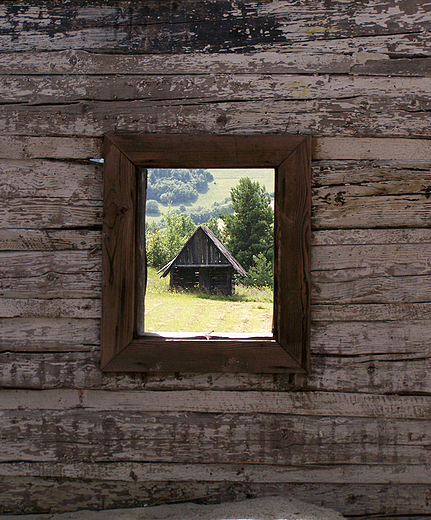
column 194, row 253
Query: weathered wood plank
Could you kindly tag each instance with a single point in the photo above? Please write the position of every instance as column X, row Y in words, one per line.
column 386, row 149
column 49, row 239
column 281, row 61
column 335, row 237
column 379, row 374
column 369, row 373
column 373, row 172
column 50, row 213
column 331, row 148
column 373, row 312
column 50, row 370
column 253, row 473
column 367, row 115
column 60, row 89
column 380, row 260
column 408, row 338
column 361, row 288
column 48, row 274
column 25, row 147
column 85, row 63
column 55, row 334
column 41, row 178
column 337, row 209
column 43, row 16
column 315, row 404
column 220, row 26
column 39, row 308
column 194, row 438
column 46, row 494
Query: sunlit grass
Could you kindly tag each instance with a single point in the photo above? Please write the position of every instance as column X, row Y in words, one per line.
column 248, row 311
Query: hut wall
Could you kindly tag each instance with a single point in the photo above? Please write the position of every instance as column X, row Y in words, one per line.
column 354, row 434
column 201, row 251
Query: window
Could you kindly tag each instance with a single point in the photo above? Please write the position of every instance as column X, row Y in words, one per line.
column 123, row 348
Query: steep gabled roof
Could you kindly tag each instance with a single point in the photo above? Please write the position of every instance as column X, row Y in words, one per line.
column 219, row 246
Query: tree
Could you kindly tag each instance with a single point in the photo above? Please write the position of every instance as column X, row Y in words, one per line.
column 162, row 244
column 249, row 230
column 260, row 274
column 152, row 208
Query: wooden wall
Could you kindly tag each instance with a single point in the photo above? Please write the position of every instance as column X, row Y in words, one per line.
column 354, row 435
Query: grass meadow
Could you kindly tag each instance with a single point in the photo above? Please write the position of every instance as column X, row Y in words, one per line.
column 249, row 310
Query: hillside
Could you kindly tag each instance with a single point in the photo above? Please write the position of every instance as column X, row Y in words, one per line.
column 219, row 189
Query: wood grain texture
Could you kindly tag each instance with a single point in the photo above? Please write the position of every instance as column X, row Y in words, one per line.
column 52, row 213
column 372, row 57
column 50, row 239
column 46, row 179
column 398, row 373
column 235, row 473
column 53, row 308
column 64, row 274
column 208, row 87
column 46, row 493
column 195, row 438
column 220, row 26
column 119, row 253
column 352, row 435
column 379, row 114
column 131, row 352
column 292, row 230
column 140, row 401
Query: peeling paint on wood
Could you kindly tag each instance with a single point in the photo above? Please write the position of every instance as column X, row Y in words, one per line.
column 355, row 75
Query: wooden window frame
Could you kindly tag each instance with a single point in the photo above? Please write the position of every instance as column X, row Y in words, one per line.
column 123, row 348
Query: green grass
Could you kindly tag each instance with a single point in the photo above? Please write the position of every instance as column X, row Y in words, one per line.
column 219, row 189
column 248, row 311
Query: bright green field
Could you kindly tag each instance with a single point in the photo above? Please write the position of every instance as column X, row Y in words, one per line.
column 224, row 180
column 248, row 311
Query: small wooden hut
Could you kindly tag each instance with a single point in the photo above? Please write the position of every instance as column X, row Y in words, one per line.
column 204, row 262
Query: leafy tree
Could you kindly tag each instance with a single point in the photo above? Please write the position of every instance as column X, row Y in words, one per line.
column 260, row 274
column 152, row 208
column 163, row 243
column 213, row 225
column 249, row 230
column 177, row 185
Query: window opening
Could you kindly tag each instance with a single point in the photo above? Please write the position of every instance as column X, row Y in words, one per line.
column 209, row 258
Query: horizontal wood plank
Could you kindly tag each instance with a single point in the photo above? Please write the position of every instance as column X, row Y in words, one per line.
column 51, row 213
column 49, row 239
column 369, row 59
column 354, row 499
column 55, row 334
column 54, row 308
column 44, row 89
column 372, row 373
column 379, row 114
column 193, row 438
column 41, row 147
column 220, row 27
column 371, row 312
column 253, row 473
column 389, row 175
column 313, row 404
column 50, row 179
column 325, row 148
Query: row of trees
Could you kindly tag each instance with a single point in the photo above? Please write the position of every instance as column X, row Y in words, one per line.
column 177, row 185
column 247, row 233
